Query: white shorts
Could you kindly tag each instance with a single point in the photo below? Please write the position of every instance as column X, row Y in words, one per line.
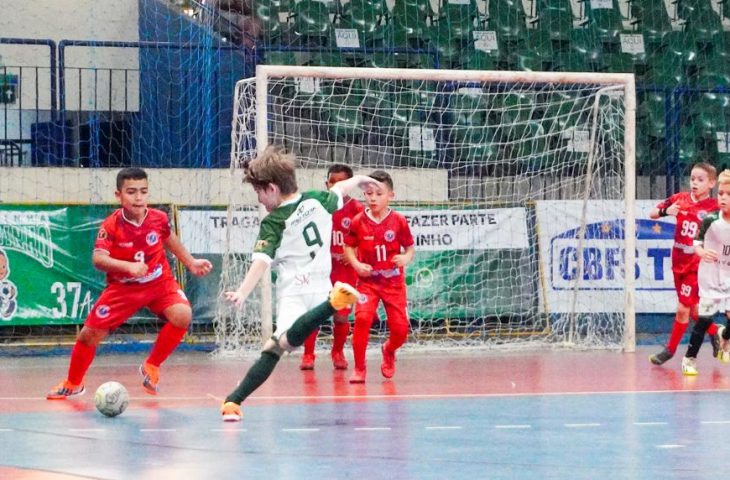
column 291, row 307
column 710, row 306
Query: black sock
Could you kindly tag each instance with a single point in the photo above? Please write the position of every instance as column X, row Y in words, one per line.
column 307, row 323
column 255, row 377
column 726, row 332
column 698, row 334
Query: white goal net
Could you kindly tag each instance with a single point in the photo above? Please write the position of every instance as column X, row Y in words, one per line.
column 518, row 187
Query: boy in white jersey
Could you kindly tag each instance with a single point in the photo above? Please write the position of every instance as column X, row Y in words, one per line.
column 712, row 245
column 294, row 238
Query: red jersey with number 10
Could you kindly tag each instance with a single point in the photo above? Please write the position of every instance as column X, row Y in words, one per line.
column 378, row 242
column 341, row 222
column 690, row 216
column 130, row 242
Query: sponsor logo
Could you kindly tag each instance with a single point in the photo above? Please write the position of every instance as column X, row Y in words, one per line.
column 103, row 311
column 389, row 235
column 28, row 233
column 602, row 257
column 126, row 244
column 152, row 238
column 102, row 234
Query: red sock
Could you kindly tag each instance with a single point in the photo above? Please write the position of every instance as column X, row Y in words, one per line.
column 311, row 342
column 340, row 331
column 360, row 337
column 169, row 337
column 81, row 357
column 712, row 329
column 675, row 337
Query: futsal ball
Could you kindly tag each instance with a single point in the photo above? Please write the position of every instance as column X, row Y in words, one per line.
column 111, row 399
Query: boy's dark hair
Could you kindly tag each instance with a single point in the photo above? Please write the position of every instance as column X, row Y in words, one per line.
column 711, row 171
column 383, row 177
column 274, row 165
column 130, row 174
column 340, row 168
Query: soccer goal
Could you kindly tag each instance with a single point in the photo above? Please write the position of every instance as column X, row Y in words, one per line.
column 518, row 186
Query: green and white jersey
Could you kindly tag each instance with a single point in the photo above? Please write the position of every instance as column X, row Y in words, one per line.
column 295, row 239
column 714, row 278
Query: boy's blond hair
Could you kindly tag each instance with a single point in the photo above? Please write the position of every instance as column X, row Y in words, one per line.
column 273, row 165
column 709, row 169
column 724, row 177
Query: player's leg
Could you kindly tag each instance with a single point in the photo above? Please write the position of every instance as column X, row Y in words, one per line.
column 707, row 310
column 364, row 315
column 114, row 307
column 340, row 331
column 394, row 301
column 308, row 356
column 293, row 334
column 690, row 278
column 681, row 319
column 168, row 302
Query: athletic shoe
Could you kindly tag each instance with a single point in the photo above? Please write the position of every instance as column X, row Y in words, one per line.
column 151, row 376
column 343, row 295
column 339, row 361
column 64, row 390
column 231, row 412
column 716, row 341
column 724, row 352
column 307, row 362
column 661, row 357
column 387, row 368
column 689, row 366
column 358, row 376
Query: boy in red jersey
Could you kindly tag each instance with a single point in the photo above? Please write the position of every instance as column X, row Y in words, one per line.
column 690, row 208
column 341, row 272
column 130, row 248
column 378, row 246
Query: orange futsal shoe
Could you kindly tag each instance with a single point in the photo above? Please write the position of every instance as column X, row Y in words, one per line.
column 387, row 368
column 151, row 376
column 307, row 362
column 64, row 390
column 343, row 295
column 231, row 412
column 358, row 376
column 339, row 361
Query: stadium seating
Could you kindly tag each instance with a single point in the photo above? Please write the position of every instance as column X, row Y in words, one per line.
column 603, row 21
column 311, row 23
column 411, row 23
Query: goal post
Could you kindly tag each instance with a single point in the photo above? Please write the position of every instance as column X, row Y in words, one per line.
column 519, row 188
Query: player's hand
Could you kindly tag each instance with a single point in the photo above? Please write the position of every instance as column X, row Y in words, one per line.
column 200, row 267
column 137, row 269
column 235, row 297
column 708, row 255
column 673, row 209
column 400, row 260
column 363, row 269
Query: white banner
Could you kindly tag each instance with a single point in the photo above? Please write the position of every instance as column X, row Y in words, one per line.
column 479, row 229
column 204, row 231
column 600, row 288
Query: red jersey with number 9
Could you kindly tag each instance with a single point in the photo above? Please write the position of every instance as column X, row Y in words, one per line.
column 130, row 242
column 690, row 216
column 378, row 242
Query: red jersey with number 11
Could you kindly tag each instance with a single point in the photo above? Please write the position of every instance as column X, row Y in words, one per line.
column 130, row 242
column 690, row 216
column 378, row 242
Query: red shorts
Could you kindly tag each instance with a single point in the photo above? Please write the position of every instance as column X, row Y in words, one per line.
column 343, row 273
column 688, row 292
column 393, row 296
column 118, row 302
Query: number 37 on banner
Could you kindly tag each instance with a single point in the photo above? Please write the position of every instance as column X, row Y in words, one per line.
column 72, row 300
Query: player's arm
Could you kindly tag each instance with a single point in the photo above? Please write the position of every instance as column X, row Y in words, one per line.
column 197, row 266
column 668, row 207
column 403, row 259
column 362, row 269
column 254, row 274
column 344, row 187
column 704, row 253
column 102, row 260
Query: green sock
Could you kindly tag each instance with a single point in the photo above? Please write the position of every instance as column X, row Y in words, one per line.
column 255, row 377
column 307, row 323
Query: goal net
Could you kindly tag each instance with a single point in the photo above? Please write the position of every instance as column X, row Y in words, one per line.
column 518, row 187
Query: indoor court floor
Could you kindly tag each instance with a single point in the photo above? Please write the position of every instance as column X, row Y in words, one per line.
column 532, row 414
